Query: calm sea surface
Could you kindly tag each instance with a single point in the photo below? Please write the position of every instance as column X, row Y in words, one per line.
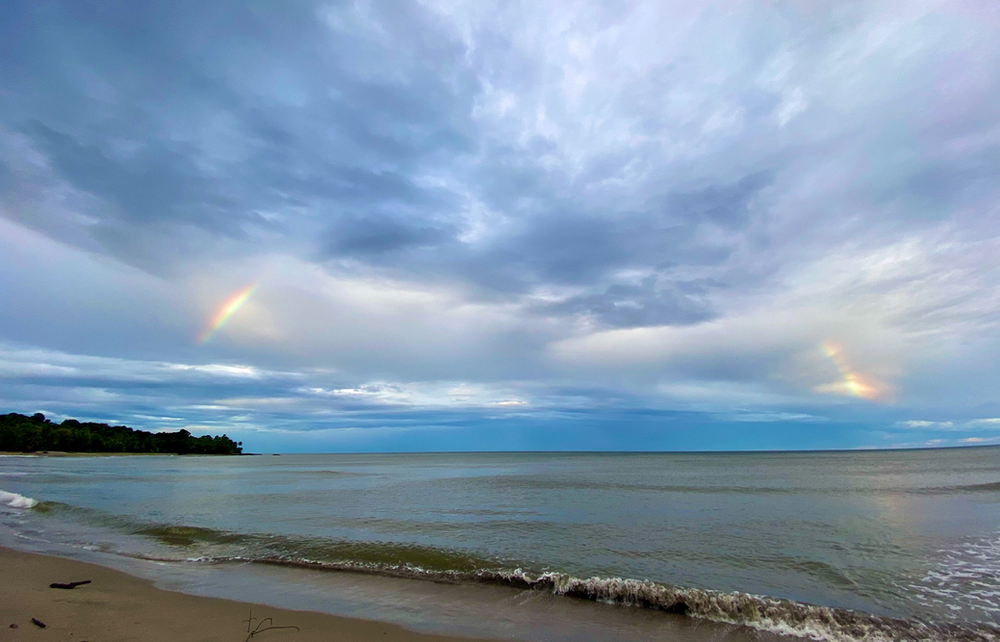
column 903, row 545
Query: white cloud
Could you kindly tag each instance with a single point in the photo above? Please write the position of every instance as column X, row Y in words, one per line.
column 971, row 424
column 755, row 417
column 920, row 423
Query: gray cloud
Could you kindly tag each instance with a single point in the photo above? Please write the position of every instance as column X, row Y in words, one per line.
column 279, row 117
column 152, row 185
column 482, row 194
column 357, row 236
column 643, row 305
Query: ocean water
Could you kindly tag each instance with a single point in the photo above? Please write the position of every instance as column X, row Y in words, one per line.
column 825, row 545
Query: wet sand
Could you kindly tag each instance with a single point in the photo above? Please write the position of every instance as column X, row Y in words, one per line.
column 116, row 607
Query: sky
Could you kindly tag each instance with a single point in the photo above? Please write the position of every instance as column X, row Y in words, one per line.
column 446, row 225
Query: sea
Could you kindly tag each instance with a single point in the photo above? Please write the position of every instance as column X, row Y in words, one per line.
column 576, row 547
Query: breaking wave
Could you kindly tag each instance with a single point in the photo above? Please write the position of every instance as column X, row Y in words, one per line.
column 774, row 615
column 13, row 500
column 787, row 617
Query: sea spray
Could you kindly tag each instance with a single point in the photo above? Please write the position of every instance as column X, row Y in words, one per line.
column 13, row 500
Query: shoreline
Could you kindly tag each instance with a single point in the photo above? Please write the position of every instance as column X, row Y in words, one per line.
column 117, row 606
column 61, row 453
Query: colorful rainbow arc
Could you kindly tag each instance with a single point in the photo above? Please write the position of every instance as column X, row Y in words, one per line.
column 853, row 382
column 225, row 312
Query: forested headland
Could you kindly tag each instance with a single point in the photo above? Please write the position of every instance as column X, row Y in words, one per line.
column 21, row 433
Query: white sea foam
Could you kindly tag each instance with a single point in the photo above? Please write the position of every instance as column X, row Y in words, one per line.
column 966, row 580
column 13, row 500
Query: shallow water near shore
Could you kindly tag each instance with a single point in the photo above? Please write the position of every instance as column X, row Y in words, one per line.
column 845, row 546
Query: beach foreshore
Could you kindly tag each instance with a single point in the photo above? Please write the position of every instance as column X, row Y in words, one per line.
column 116, row 606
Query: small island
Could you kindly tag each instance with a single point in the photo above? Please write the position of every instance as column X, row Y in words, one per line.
column 24, row 434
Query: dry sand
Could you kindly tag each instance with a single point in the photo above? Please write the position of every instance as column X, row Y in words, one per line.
column 117, row 607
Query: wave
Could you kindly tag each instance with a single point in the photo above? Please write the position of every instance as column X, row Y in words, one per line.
column 201, row 545
column 768, row 614
column 544, row 483
column 967, row 488
column 330, row 473
column 13, row 500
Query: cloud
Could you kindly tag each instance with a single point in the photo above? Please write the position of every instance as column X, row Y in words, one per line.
column 920, row 423
column 764, row 417
column 970, row 424
column 651, row 208
column 159, row 395
column 356, row 236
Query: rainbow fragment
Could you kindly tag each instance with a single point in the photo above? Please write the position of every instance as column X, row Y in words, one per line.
column 225, row 312
column 852, row 382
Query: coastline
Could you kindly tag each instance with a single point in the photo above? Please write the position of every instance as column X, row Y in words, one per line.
column 117, row 606
column 60, row 453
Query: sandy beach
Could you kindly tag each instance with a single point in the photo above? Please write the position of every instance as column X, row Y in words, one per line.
column 118, row 607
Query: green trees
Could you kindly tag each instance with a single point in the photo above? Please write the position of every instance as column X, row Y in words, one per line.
column 20, row 433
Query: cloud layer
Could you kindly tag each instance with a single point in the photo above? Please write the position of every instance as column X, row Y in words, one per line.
column 608, row 225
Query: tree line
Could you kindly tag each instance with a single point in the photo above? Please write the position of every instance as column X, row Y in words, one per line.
column 21, row 433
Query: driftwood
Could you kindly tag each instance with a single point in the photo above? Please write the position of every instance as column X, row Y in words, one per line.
column 69, row 585
column 260, row 628
column 38, row 623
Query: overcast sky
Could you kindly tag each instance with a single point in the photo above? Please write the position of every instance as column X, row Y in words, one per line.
column 513, row 225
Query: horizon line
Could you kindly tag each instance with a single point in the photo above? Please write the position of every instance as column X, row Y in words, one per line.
column 626, row 452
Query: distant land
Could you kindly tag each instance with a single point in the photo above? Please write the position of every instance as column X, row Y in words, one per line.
column 21, row 433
